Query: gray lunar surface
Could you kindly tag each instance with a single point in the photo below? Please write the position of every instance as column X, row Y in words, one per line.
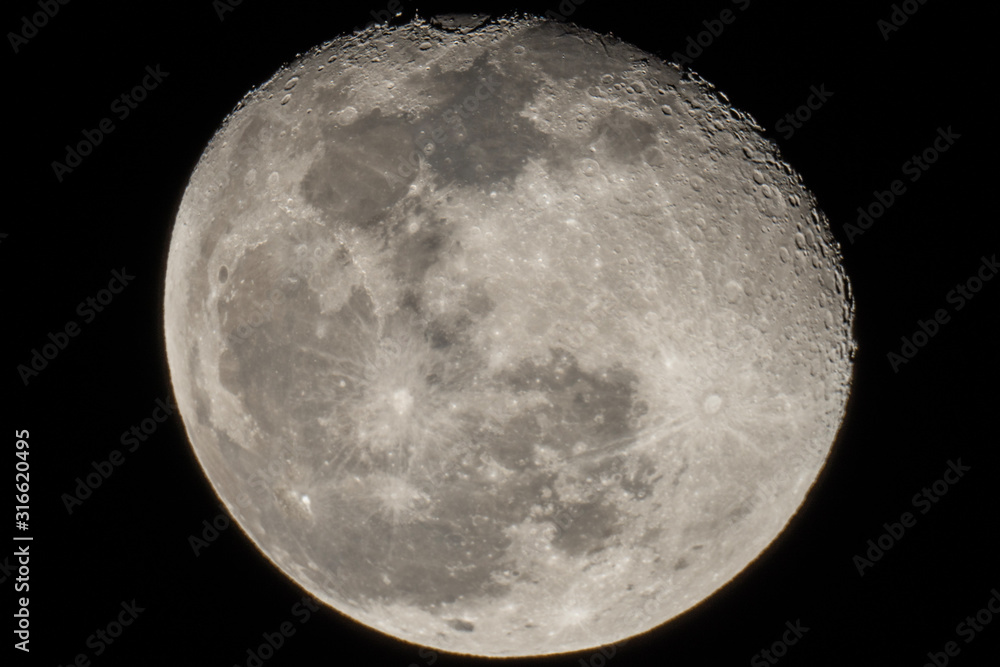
column 504, row 340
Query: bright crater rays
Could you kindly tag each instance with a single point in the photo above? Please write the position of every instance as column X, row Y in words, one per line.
column 504, row 339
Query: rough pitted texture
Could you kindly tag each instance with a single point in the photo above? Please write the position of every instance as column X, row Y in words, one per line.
column 506, row 340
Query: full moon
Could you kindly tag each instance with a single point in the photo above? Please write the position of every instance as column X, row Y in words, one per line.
column 504, row 338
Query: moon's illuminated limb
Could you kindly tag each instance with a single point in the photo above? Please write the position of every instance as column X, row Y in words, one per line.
column 489, row 337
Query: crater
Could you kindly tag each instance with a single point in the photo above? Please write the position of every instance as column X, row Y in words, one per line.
column 402, row 401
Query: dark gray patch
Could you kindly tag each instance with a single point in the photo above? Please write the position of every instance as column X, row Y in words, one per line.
column 562, row 51
column 741, row 511
column 593, row 525
column 681, row 563
column 415, row 253
column 223, row 274
column 232, row 452
column 515, row 446
column 680, row 471
column 202, row 408
column 651, row 536
column 476, row 136
column 440, row 337
column 461, row 625
column 450, row 329
column 640, row 485
column 411, row 302
column 477, row 301
column 454, row 327
column 250, row 137
column 202, row 402
column 597, row 408
column 625, row 136
column 654, row 157
column 365, row 169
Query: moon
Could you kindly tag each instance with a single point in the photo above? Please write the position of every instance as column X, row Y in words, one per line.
column 504, row 337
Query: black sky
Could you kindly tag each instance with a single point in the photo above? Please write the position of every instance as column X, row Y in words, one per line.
column 888, row 100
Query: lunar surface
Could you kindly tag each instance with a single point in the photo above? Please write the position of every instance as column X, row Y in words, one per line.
column 504, row 339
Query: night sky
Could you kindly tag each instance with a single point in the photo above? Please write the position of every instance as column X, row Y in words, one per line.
column 887, row 115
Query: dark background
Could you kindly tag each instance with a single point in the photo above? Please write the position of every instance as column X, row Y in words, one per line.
column 129, row 540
